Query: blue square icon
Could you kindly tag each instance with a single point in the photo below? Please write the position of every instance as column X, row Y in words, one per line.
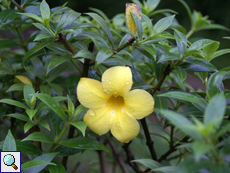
column 10, row 161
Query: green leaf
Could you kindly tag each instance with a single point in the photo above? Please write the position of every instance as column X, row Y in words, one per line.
column 6, row 44
column 84, row 53
column 151, row 51
column 181, row 41
column 57, row 88
column 45, row 10
column 39, row 136
column 9, row 143
column 184, row 96
column 80, row 125
column 166, row 169
column 214, row 112
column 197, row 64
column 55, row 62
column 28, row 92
column 33, row 163
column 45, row 157
column 83, row 143
column 138, row 25
column 59, row 168
column 160, row 102
column 44, row 124
column 42, row 36
column 45, row 89
column 181, row 73
column 103, row 55
column 70, row 107
column 7, row 16
column 31, row 113
column 188, row 11
column 212, row 26
column 33, row 16
column 14, row 103
column 116, row 60
column 18, row 116
column 34, row 50
column 42, row 28
column 200, row 148
column 65, row 151
column 182, row 123
column 52, row 104
column 103, row 25
column 167, row 56
column 152, row 164
column 28, row 126
column 58, row 49
column 16, row 87
column 163, row 24
column 56, row 123
column 219, row 53
column 214, row 83
column 28, row 147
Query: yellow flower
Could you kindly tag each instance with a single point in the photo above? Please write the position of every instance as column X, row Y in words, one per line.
column 112, row 106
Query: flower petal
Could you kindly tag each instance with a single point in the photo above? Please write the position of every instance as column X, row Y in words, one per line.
column 90, row 93
column 139, row 103
column 117, row 80
column 98, row 120
column 125, row 127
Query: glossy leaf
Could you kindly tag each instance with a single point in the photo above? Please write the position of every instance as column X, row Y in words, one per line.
column 182, row 123
column 34, row 163
column 160, row 102
column 80, row 125
column 200, row 148
column 103, row 25
column 152, row 164
column 58, row 168
column 15, row 87
column 9, row 143
column 138, row 24
column 83, row 143
column 84, row 54
column 163, row 24
column 184, row 96
column 31, row 113
column 214, row 83
column 39, row 136
column 55, row 62
column 42, row 36
column 33, row 16
column 56, row 123
column 28, row 126
column 18, row 116
column 7, row 16
column 14, row 103
column 166, row 169
column 34, row 50
column 28, row 93
column 45, row 10
column 219, row 53
column 181, row 73
column 65, row 151
column 167, row 56
column 52, row 104
column 103, row 55
column 214, row 112
column 44, row 124
column 28, row 147
column 45, row 157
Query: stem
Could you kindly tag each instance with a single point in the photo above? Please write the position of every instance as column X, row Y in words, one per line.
column 102, row 159
column 192, row 30
column 149, row 142
column 19, row 7
column 117, row 157
column 58, row 138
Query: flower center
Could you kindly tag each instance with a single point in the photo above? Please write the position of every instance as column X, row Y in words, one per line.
column 115, row 104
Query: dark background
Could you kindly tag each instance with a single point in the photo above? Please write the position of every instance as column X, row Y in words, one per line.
column 217, row 10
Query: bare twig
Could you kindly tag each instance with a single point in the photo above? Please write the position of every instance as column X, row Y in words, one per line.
column 117, row 157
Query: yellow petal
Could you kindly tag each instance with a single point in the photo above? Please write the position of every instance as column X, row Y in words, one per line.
column 125, row 127
column 98, row 120
column 139, row 103
column 24, row 80
column 90, row 93
column 117, row 80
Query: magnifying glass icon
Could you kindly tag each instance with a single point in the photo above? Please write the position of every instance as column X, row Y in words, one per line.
column 9, row 160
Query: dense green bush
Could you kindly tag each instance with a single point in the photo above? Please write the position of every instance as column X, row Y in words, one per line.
column 50, row 55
